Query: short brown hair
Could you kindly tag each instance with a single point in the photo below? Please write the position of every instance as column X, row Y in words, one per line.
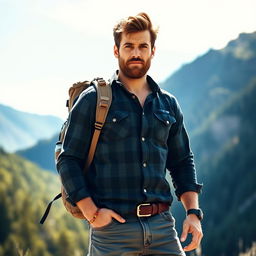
column 140, row 22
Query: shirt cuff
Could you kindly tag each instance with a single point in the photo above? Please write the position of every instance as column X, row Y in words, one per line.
column 78, row 195
column 192, row 187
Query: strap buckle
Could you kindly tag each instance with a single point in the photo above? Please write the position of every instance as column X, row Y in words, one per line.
column 98, row 125
column 100, row 81
column 138, row 210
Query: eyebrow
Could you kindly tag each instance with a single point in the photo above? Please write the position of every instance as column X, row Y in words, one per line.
column 128, row 44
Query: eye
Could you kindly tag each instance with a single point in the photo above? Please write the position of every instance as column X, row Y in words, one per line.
column 128, row 46
column 144, row 46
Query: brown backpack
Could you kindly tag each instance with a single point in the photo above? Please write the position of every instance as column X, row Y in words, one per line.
column 104, row 99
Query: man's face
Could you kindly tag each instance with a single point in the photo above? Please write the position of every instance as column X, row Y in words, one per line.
column 134, row 54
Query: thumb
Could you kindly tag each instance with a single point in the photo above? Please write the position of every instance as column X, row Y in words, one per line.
column 117, row 217
column 184, row 233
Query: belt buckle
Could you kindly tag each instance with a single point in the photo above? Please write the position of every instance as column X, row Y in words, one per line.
column 138, row 211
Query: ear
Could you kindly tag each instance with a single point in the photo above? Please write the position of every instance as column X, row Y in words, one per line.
column 116, row 51
column 153, row 52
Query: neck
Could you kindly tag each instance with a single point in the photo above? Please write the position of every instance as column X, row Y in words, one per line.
column 134, row 85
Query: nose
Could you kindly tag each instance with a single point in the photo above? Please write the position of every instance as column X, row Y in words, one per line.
column 136, row 52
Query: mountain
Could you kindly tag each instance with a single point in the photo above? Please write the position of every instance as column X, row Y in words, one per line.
column 25, row 191
column 19, row 130
column 203, row 85
column 225, row 153
column 217, row 94
column 42, row 153
column 229, row 174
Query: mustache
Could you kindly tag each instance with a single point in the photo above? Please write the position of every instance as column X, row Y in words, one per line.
column 136, row 59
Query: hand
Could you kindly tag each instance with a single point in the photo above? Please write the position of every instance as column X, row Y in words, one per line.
column 192, row 225
column 105, row 217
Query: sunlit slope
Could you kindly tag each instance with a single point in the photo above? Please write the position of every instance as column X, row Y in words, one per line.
column 25, row 191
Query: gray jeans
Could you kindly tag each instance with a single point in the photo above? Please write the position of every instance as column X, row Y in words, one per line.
column 155, row 235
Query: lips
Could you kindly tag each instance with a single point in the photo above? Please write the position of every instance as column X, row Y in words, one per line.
column 135, row 62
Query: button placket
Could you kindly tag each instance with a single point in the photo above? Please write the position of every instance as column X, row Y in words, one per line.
column 145, row 149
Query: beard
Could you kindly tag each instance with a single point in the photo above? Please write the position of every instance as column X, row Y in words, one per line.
column 136, row 71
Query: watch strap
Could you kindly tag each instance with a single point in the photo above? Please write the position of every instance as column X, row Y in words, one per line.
column 197, row 212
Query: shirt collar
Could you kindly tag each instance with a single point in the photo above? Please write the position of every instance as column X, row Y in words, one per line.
column 153, row 85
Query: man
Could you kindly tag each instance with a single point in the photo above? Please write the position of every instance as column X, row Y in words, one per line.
column 125, row 196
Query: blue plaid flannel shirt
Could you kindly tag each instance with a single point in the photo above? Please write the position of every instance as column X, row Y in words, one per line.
column 136, row 147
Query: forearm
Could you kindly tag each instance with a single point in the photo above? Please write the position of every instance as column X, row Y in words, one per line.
column 189, row 200
column 87, row 207
column 191, row 223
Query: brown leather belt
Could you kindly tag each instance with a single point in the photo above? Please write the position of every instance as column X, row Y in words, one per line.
column 149, row 209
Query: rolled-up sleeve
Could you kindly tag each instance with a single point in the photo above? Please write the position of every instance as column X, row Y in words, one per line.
column 180, row 160
column 75, row 148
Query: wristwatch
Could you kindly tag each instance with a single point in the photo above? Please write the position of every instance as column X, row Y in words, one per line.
column 198, row 212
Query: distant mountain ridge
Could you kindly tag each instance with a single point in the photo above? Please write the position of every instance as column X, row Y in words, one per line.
column 206, row 83
column 19, row 130
column 42, row 153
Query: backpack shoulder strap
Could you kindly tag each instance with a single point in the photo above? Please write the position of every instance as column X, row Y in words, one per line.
column 104, row 99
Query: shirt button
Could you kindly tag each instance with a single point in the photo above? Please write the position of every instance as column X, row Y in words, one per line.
column 143, row 113
column 133, row 96
column 144, row 164
column 167, row 122
column 143, row 138
column 114, row 120
column 145, row 190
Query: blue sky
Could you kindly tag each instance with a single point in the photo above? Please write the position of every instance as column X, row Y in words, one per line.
column 46, row 45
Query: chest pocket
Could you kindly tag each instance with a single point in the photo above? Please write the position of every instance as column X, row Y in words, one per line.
column 162, row 123
column 116, row 126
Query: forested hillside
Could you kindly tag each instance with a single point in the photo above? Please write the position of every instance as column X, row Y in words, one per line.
column 25, row 191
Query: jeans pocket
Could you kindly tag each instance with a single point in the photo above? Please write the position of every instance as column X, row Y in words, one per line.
column 105, row 226
column 167, row 216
